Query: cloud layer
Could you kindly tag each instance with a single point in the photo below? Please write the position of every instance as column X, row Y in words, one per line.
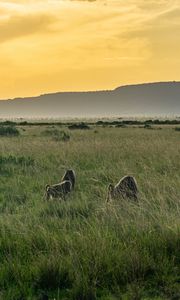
column 86, row 44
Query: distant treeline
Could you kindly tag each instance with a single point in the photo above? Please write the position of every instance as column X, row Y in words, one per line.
column 138, row 122
column 80, row 125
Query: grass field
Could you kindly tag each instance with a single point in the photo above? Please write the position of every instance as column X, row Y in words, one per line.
column 84, row 248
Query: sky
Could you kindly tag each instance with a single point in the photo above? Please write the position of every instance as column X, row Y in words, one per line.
column 79, row 45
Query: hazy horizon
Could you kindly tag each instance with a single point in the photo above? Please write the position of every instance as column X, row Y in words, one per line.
column 89, row 91
column 134, row 100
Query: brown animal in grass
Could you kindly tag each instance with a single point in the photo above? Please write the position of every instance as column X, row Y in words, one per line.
column 71, row 176
column 59, row 190
column 126, row 188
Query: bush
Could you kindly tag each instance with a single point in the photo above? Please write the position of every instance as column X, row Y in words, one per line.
column 9, row 131
column 148, row 126
column 79, row 126
column 177, row 129
column 120, row 126
column 62, row 136
column 57, row 135
column 23, row 123
column 8, row 123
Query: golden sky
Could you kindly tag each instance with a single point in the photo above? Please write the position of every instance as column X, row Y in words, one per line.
column 71, row 45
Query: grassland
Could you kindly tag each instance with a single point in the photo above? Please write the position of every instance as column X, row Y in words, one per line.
column 85, row 249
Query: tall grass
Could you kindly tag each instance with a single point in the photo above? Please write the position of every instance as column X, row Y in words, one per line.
column 84, row 248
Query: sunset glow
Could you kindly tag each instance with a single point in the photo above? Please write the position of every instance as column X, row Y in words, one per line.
column 72, row 45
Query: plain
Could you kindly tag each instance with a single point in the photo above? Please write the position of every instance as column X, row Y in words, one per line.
column 84, row 248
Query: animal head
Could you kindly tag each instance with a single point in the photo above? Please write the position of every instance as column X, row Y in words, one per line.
column 110, row 192
column 70, row 175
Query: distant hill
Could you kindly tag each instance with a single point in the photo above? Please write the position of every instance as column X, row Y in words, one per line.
column 151, row 99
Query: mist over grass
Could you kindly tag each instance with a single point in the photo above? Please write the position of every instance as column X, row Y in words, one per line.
column 85, row 248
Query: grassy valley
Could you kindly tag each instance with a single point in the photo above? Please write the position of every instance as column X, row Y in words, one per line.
column 84, row 248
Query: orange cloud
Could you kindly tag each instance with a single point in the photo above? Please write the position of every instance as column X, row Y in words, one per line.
column 18, row 26
column 80, row 44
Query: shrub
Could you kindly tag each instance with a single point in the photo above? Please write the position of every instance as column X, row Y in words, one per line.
column 8, row 123
column 120, row 126
column 62, row 136
column 50, row 132
column 23, row 123
column 177, row 129
column 9, row 131
column 149, row 121
column 148, row 126
column 57, row 135
column 81, row 125
column 100, row 122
